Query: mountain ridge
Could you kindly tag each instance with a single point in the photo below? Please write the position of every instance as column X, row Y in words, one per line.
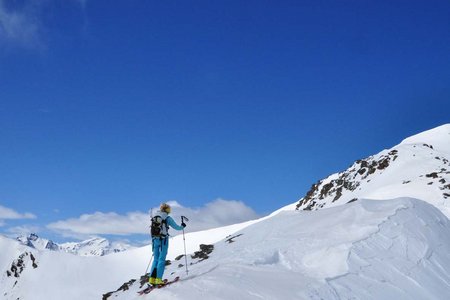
column 96, row 246
column 412, row 168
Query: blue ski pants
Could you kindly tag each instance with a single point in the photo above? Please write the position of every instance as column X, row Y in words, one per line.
column 159, row 248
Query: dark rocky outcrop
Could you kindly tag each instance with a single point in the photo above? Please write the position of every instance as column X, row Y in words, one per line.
column 204, row 252
column 432, row 175
column 348, row 180
column 230, row 239
column 124, row 287
column 19, row 264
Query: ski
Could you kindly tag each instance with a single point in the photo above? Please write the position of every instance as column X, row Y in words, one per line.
column 146, row 290
column 149, row 288
column 153, row 287
column 166, row 283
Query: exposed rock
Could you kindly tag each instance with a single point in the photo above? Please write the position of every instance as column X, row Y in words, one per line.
column 383, row 164
column 143, row 280
column 18, row 265
column 432, row 175
column 335, row 187
column 325, row 189
column 231, row 239
column 33, row 260
column 203, row 253
column 123, row 287
column 179, row 257
column 338, row 194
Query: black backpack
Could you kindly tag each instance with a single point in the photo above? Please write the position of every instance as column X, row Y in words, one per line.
column 159, row 227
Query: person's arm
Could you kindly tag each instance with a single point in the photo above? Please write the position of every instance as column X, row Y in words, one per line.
column 174, row 225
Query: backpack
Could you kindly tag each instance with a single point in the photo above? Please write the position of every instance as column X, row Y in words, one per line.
column 159, row 227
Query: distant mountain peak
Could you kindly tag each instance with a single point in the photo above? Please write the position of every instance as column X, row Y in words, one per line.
column 34, row 241
column 95, row 246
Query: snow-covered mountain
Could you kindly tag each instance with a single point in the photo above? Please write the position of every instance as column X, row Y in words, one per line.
column 418, row 167
column 34, row 241
column 91, row 247
column 366, row 249
column 94, row 247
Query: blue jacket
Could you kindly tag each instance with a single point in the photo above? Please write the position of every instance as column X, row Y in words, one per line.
column 172, row 223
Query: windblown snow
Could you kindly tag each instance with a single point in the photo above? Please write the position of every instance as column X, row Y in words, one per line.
column 344, row 246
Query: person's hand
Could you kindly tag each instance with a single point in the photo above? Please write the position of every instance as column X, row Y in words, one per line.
column 183, row 224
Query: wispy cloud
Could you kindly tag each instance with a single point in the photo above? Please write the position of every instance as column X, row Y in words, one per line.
column 214, row 214
column 10, row 214
column 102, row 223
column 23, row 230
column 20, row 24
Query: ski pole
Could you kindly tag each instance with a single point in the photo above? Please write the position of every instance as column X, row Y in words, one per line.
column 151, row 258
column 146, row 270
column 184, row 241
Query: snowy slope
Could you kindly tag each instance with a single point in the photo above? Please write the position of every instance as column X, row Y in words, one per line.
column 394, row 249
column 419, row 167
column 62, row 275
column 398, row 249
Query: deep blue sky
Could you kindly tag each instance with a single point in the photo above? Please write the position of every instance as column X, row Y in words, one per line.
column 119, row 105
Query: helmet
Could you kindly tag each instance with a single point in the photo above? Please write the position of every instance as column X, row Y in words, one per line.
column 165, row 208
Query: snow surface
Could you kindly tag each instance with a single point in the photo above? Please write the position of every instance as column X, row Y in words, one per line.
column 396, row 249
column 438, row 137
column 393, row 249
column 62, row 275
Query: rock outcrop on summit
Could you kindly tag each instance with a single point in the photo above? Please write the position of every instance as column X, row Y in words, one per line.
column 418, row 167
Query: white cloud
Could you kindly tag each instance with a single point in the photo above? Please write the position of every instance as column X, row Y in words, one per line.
column 20, row 25
column 103, row 223
column 21, row 22
column 214, row 214
column 8, row 213
column 23, row 230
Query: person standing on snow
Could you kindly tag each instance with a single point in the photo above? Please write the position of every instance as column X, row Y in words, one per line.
column 160, row 242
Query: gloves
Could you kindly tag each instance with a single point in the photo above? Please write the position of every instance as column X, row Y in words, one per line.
column 183, row 224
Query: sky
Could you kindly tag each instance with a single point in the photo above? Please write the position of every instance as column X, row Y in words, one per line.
column 227, row 109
